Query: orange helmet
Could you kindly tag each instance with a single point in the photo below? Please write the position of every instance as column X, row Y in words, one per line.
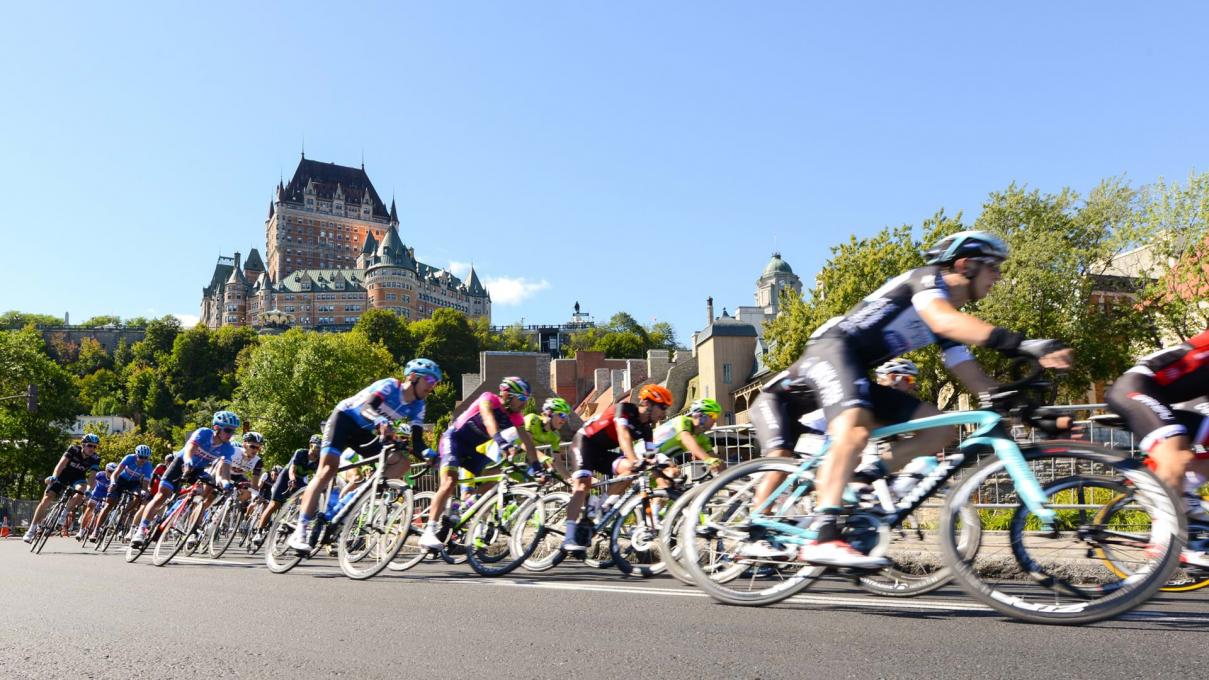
column 657, row 394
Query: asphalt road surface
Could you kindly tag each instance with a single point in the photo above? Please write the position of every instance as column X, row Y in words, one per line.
column 71, row 613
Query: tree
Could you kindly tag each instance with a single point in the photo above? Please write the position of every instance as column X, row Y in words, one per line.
column 448, row 339
column 13, row 320
column 91, row 357
column 192, row 367
column 288, row 384
column 104, row 320
column 161, row 334
column 114, row 446
column 622, row 337
column 388, row 329
column 100, row 392
column 31, row 442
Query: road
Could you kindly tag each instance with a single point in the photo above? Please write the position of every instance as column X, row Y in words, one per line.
column 80, row 614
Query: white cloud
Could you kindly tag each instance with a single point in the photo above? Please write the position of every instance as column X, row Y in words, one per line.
column 188, row 320
column 507, row 290
column 459, row 269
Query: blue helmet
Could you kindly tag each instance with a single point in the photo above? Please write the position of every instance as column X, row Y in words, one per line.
column 425, row 367
column 110, row 467
column 515, row 386
column 90, row 438
column 966, row 244
column 142, row 451
column 315, row 440
column 225, row 419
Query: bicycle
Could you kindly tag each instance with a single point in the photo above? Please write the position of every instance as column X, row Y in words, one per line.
column 1029, row 578
column 117, row 522
column 50, row 522
column 183, row 521
column 223, row 522
column 370, row 525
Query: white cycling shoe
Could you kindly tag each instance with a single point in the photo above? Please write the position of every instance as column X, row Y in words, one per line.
column 298, row 540
column 29, row 536
column 839, row 554
column 429, row 539
column 763, row 550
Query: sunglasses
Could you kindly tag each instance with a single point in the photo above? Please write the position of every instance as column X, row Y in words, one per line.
column 909, row 379
column 227, row 430
column 431, row 380
column 90, row 446
column 522, row 397
column 254, row 447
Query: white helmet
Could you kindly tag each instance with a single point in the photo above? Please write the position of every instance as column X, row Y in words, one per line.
column 898, row 367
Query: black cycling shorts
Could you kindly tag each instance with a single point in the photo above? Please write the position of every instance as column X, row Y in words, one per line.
column 587, row 457
column 69, row 478
column 282, row 488
column 1146, row 407
column 343, row 432
column 122, row 485
column 179, row 474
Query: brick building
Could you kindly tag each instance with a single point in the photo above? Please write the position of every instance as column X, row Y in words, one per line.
column 334, row 251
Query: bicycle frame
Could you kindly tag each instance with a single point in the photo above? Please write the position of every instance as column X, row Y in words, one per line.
column 989, row 433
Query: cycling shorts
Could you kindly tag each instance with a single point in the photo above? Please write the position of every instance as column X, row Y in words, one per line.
column 342, row 431
column 587, row 457
column 179, row 474
column 282, row 488
column 122, row 485
column 462, row 452
column 69, row 478
column 1146, row 407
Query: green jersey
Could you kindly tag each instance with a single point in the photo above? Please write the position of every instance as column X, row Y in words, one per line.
column 542, row 436
column 667, row 436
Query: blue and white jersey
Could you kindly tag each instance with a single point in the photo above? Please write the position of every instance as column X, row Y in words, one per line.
column 100, row 486
column 385, row 397
column 134, row 470
column 209, row 449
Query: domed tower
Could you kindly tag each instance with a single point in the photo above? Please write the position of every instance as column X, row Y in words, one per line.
column 390, row 275
column 776, row 277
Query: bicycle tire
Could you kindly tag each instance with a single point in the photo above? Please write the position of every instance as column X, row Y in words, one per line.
column 389, row 515
column 410, row 553
column 1183, row 581
column 48, row 526
column 226, row 527
column 1059, row 599
column 545, row 532
column 635, row 553
column 278, row 557
column 719, row 513
column 175, row 535
column 494, row 527
column 667, row 544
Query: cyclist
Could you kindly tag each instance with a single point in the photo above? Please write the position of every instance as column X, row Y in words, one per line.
column 100, row 487
column 205, row 446
column 363, row 422
column 484, row 421
column 133, row 475
column 158, row 473
column 1143, row 398
column 544, row 430
column 688, row 432
column 302, row 463
column 77, row 464
column 247, row 466
column 913, row 310
column 595, row 449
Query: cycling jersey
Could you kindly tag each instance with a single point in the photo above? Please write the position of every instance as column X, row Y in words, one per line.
column 384, row 398
column 602, row 430
column 542, row 436
column 667, row 436
column 243, row 464
column 470, row 423
column 209, row 449
column 134, row 469
column 156, row 475
column 100, row 487
column 78, row 464
column 887, row 323
column 1145, row 394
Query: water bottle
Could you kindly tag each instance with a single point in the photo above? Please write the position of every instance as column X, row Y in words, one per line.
column 910, row 475
column 333, row 497
column 342, row 501
column 455, row 512
column 594, row 502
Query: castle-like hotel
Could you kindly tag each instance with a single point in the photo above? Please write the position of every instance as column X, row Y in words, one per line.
column 334, row 251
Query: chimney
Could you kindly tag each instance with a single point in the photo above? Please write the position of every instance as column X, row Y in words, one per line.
column 237, row 259
column 709, row 306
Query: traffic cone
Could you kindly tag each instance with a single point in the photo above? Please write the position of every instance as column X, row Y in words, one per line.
column 4, row 530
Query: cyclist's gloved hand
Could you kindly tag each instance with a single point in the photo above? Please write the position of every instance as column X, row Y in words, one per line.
column 228, row 485
column 50, row 480
column 1039, row 348
column 535, row 470
column 501, row 441
column 428, row 454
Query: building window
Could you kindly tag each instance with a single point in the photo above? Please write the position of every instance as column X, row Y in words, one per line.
column 726, row 374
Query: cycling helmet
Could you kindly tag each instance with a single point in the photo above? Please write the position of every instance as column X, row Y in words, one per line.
column 253, row 438
column 142, row 451
column 898, row 367
column 425, row 367
column 315, row 439
column 169, row 458
column 707, row 407
column 515, row 386
column 556, row 405
column 110, row 467
column 657, row 394
column 277, row 469
column 966, row 244
column 225, row 419
column 90, row 438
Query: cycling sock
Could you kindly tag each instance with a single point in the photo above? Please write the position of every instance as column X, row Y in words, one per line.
column 144, row 524
column 825, row 525
column 572, row 527
column 305, row 519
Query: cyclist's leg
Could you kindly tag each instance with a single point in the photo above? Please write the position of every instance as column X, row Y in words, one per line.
column 340, row 432
column 1143, row 404
column 890, row 407
column 777, row 431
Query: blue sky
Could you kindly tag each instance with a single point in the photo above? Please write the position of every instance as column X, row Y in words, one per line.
column 631, row 156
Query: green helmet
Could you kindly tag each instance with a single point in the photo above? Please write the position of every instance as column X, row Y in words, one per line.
column 556, row 405
column 707, row 407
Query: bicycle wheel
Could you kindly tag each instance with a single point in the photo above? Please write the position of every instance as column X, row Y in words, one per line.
column 278, row 557
column 225, row 529
column 914, row 549
column 632, row 542
column 1051, row 574
column 49, row 524
column 717, row 528
column 542, row 525
column 1120, row 514
column 489, row 544
column 667, row 542
column 374, row 530
column 410, row 553
column 174, row 536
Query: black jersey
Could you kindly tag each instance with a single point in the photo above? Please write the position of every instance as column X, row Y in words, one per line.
column 887, row 324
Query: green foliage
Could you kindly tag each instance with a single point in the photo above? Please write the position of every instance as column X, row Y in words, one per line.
column 289, row 383
column 13, row 320
column 161, row 334
column 104, row 320
column 624, row 338
column 388, row 329
column 100, row 392
column 448, row 339
column 91, row 357
column 440, row 402
column 115, row 446
column 30, row 443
